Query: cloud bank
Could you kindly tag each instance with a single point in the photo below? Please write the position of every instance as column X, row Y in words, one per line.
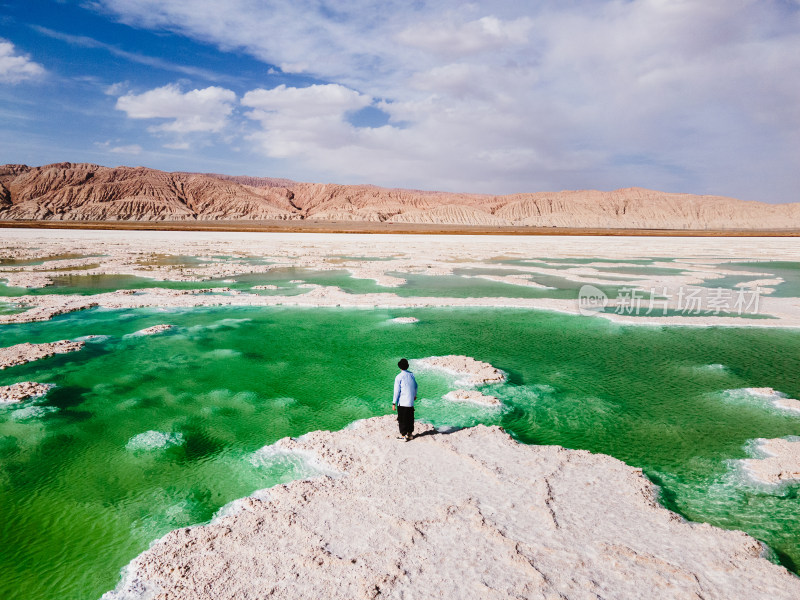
column 686, row 95
column 205, row 110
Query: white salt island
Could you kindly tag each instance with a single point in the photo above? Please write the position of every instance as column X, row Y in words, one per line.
column 20, row 354
column 470, row 372
column 19, row 392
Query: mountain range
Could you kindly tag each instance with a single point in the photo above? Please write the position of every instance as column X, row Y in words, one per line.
column 87, row 192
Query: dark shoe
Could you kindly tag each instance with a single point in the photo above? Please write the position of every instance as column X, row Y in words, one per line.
column 409, row 437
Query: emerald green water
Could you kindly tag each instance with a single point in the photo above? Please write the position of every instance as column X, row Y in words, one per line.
column 148, row 433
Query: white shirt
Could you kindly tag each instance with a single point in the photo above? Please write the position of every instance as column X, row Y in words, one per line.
column 405, row 389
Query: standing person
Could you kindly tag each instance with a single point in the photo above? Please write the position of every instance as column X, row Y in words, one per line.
column 405, row 393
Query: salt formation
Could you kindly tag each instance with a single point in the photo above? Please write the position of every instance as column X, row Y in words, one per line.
column 471, row 372
column 153, row 330
column 472, row 396
column 154, row 440
column 24, row 353
column 779, row 399
column 470, row 514
column 781, row 463
column 405, row 320
column 23, row 391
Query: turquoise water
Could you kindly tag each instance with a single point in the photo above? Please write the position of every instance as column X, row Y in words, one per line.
column 788, row 270
column 148, row 433
column 643, row 270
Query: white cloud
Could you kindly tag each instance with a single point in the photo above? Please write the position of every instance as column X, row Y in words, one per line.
column 205, row 110
column 15, row 67
column 504, row 96
column 301, row 122
column 115, row 89
column 111, row 147
column 178, row 146
column 131, row 149
column 314, row 101
column 454, row 39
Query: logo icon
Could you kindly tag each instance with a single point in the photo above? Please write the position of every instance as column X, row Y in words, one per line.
column 591, row 300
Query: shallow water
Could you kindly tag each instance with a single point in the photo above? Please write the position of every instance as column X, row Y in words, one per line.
column 789, row 271
column 461, row 284
column 148, row 433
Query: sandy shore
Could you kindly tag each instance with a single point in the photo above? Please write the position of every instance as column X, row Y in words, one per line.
column 471, row 514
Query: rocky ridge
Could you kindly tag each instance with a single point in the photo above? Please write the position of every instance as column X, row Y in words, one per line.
column 87, row 192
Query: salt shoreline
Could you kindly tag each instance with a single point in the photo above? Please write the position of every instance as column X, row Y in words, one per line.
column 471, row 514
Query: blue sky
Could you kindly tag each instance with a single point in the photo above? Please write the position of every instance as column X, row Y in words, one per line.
column 697, row 96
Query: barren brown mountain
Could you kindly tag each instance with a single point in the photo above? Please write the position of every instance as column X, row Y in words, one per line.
column 86, row 192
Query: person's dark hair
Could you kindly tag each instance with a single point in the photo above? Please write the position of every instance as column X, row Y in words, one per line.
column 403, row 364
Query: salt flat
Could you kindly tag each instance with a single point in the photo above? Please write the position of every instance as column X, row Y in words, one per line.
column 675, row 269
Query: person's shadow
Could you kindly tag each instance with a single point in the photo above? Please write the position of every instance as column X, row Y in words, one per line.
column 447, row 431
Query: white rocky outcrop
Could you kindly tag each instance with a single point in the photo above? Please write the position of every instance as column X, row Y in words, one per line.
column 25, row 390
column 470, row 514
column 470, row 372
column 20, row 354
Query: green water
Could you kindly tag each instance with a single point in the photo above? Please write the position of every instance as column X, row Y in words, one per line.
column 148, row 433
column 788, row 270
column 643, row 270
column 458, row 285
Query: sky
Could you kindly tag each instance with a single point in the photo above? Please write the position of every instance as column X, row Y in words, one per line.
column 501, row 97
